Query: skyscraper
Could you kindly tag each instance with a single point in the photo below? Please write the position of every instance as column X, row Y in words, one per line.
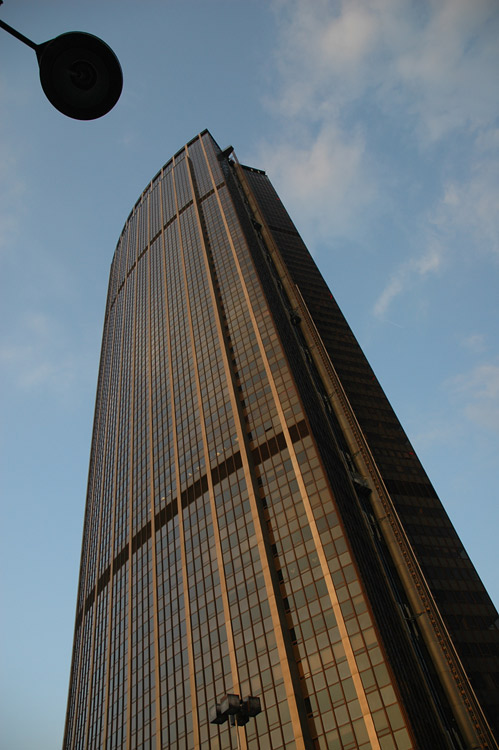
column 257, row 522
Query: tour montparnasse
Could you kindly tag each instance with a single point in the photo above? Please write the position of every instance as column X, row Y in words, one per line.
column 257, row 523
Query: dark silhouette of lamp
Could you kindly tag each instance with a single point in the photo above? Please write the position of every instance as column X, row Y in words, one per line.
column 80, row 75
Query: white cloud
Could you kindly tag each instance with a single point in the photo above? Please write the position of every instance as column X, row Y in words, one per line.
column 348, row 38
column 488, row 140
column 437, row 429
column 435, row 61
column 472, row 207
column 37, row 356
column 395, row 286
column 321, row 53
column 347, row 67
column 475, row 342
column 12, row 194
column 403, row 277
column 449, row 68
column 366, row 89
column 323, row 177
column 479, row 392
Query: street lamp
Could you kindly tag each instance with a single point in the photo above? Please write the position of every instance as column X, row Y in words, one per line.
column 80, row 75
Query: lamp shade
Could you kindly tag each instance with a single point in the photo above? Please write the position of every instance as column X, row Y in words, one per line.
column 80, row 75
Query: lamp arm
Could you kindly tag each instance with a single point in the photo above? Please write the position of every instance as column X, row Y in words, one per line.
column 18, row 35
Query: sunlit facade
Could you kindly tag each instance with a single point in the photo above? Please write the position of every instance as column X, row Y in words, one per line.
column 257, row 522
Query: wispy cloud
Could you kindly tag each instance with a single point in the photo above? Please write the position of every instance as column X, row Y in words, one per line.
column 324, row 174
column 475, row 343
column 363, row 88
column 406, row 274
column 471, row 207
column 13, row 189
column 463, row 226
column 436, row 430
column 37, row 356
column 434, row 61
column 478, row 391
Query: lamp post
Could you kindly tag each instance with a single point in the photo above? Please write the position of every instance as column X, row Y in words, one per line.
column 237, row 711
column 80, row 75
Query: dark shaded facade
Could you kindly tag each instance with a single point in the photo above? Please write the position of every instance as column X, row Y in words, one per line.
column 257, row 521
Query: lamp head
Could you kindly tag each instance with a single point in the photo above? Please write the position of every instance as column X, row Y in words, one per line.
column 80, row 75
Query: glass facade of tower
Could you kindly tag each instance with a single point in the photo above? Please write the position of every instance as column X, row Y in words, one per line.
column 256, row 520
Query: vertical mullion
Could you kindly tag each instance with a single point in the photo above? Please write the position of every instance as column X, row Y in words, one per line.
column 172, row 408
column 98, row 552
column 97, row 430
column 300, row 732
column 228, row 375
column 192, row 677
column 157, row 687
column 131, row 440
column 112, row 542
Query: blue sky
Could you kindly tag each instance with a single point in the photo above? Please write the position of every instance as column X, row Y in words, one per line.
column 378, row 124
